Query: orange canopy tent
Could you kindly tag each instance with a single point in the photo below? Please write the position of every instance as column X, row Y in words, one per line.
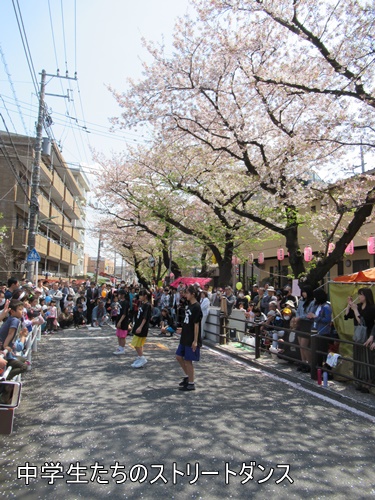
column 339, row 290
column 361, row 277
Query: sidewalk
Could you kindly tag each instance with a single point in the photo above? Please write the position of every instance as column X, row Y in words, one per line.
column 343, row 391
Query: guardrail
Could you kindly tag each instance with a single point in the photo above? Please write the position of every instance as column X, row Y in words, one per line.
column 10, row 391
column 320, row 345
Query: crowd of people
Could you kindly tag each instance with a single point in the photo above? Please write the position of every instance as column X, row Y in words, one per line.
column 132, row 311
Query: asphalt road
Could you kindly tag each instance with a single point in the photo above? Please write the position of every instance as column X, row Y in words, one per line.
column 127, row 433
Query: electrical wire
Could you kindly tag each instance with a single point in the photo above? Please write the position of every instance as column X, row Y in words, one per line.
column 13, row 91
column 9, row 159
column 25, row 44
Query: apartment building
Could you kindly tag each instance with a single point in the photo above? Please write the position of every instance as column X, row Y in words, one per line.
column 106, row 266
column 63, row 190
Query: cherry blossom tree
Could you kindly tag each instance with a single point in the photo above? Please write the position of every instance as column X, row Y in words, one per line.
column 273, row 91
column 174, row 190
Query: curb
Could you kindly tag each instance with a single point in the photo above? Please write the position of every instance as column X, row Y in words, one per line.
column 313, row 387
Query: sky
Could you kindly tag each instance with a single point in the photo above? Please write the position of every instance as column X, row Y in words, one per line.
column 102, row 42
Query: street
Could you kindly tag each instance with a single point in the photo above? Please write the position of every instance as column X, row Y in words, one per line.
column 242, row 434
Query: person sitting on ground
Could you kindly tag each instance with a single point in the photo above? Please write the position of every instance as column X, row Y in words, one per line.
column 65, row 318
column 167, row 325
column 79, row 318
column 99, row 314
column 8, row 339
column 156, row 317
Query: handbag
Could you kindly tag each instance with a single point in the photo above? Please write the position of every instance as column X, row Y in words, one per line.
column 360, row 333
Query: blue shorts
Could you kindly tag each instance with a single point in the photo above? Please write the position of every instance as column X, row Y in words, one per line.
column 170, row 329
column 187, row 353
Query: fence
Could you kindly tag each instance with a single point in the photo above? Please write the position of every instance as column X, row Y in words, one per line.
column 10, row 391
column 223, row 330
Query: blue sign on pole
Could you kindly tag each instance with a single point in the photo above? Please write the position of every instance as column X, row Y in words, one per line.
column 33, row 256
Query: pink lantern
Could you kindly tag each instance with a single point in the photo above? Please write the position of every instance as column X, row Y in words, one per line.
column 331, row 248
column 371, row 245
column 251, row 258
column 261, row 258
column 349, row 250
column 280, row 254
column 307, row 253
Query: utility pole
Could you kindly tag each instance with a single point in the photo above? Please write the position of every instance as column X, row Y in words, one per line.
column 35, row 178
column 35, row 175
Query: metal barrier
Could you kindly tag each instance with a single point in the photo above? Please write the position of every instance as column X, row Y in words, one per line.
column 319, row 346
column 10, row 391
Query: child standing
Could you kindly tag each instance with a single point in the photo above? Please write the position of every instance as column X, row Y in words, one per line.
column 115, row 310
column 191, row 341
column 52, row 317
column 122, row 324
column 140, row 328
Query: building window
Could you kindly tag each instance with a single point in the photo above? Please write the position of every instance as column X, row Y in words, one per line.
column 360, row 265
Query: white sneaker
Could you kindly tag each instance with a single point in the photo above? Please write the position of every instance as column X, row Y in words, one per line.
column 136, row 362
column 142, row 361
column 120, row 350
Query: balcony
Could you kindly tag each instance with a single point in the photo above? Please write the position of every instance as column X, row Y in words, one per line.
column 76, row 234
column 19, row 240
column 69, row 200
column 57, row 216
column 45, row 175
column 41, row 243
column 54, row 251
column 58, row 185
column 43, row 207
column 73, row 259
column 65, row 255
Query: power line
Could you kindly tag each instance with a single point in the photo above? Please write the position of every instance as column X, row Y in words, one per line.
column 30, row 108
column 13, row 91
column 26, row 47
column 9, row 160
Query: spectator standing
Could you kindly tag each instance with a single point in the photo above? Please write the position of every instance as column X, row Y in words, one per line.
column 205, row 307
column 91, row 296
column 13, row 285
column 363, row 313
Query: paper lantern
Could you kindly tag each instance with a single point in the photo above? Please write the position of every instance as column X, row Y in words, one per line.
column 261, row 258
column 307, row 253
column 280, row 254
column 331, row 248
column 251, row 258
column 235, row 261
column 349, row 250
column 371, row 245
